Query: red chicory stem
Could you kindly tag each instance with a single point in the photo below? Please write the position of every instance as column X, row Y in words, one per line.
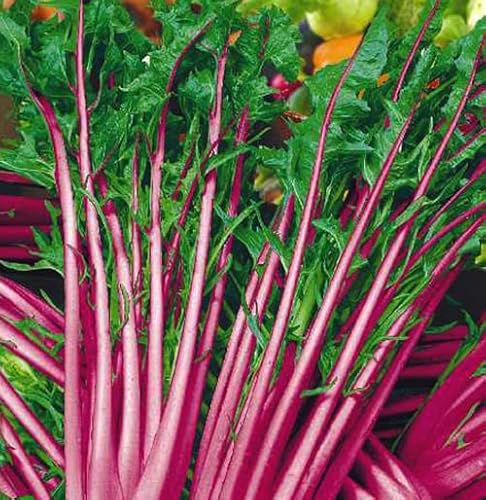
column 156, row 476
column 390, row 292
column 173, row 247
column 359, row 432
column 237, row 361
column 72, row 402
column 21, row 253
column 202, row 360
column 102, row 477
column 129, row 443
column 232, row 350
column 154, row 369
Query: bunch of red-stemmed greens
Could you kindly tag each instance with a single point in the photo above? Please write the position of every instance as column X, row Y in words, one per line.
column 209, row 345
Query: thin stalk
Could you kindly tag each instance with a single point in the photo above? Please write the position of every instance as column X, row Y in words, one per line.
column 72, row 400
column 154, row 369
column 478, row 172
column 205, row 345
column 156, row 475
column 102, row 479
column 228, row 363
column 413, row 52
column 184, row 171
column 129, row 443
column 390, row 292
column 349, row 408
column 136, row 239
column 173, row 247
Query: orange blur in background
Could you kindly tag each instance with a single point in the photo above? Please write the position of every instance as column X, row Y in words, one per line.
column 139, row 9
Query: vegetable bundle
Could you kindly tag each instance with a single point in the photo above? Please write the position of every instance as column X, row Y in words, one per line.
column 209, row 345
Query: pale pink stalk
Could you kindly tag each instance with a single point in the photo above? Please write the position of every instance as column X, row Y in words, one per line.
column 102, row 479
column 129, row 441
column 205, row 344
column 156, row 476
column 11, row 399
column 22, row 463
column 72, row 403
column 154, row 369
